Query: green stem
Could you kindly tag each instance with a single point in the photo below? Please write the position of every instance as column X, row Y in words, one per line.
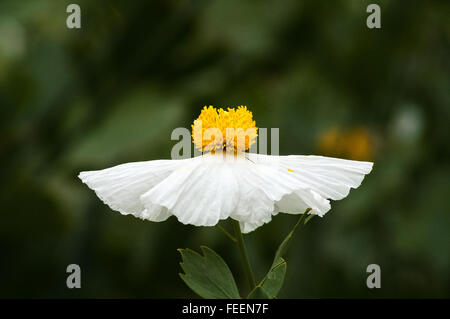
column 244, row 255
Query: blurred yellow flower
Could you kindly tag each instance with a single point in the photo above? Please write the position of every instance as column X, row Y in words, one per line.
column 356, row 143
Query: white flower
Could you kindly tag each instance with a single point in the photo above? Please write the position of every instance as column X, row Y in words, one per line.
column 247, row 187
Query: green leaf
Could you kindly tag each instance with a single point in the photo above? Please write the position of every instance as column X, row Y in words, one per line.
column 271, row 283
column 285, row 243
column 208, row 275
column 275, row 278
column 258, row 293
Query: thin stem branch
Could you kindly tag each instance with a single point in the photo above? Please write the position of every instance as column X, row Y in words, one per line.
column 227, row 233
column 244, row 255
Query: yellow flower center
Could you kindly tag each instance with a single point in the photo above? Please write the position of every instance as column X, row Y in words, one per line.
column 217, row 129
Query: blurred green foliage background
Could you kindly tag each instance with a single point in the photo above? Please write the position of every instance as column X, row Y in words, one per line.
column 113, row 91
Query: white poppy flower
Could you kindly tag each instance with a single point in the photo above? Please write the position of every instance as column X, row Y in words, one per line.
column 247, row 187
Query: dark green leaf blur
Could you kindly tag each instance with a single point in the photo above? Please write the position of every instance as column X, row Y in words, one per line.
column 113, row 91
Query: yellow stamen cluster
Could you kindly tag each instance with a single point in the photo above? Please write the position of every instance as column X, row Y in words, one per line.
column 217, row 129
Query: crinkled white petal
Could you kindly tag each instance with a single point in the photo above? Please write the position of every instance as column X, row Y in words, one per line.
column 201, row 193
column 203, row 190
column 315, row 180
column 121, row 186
